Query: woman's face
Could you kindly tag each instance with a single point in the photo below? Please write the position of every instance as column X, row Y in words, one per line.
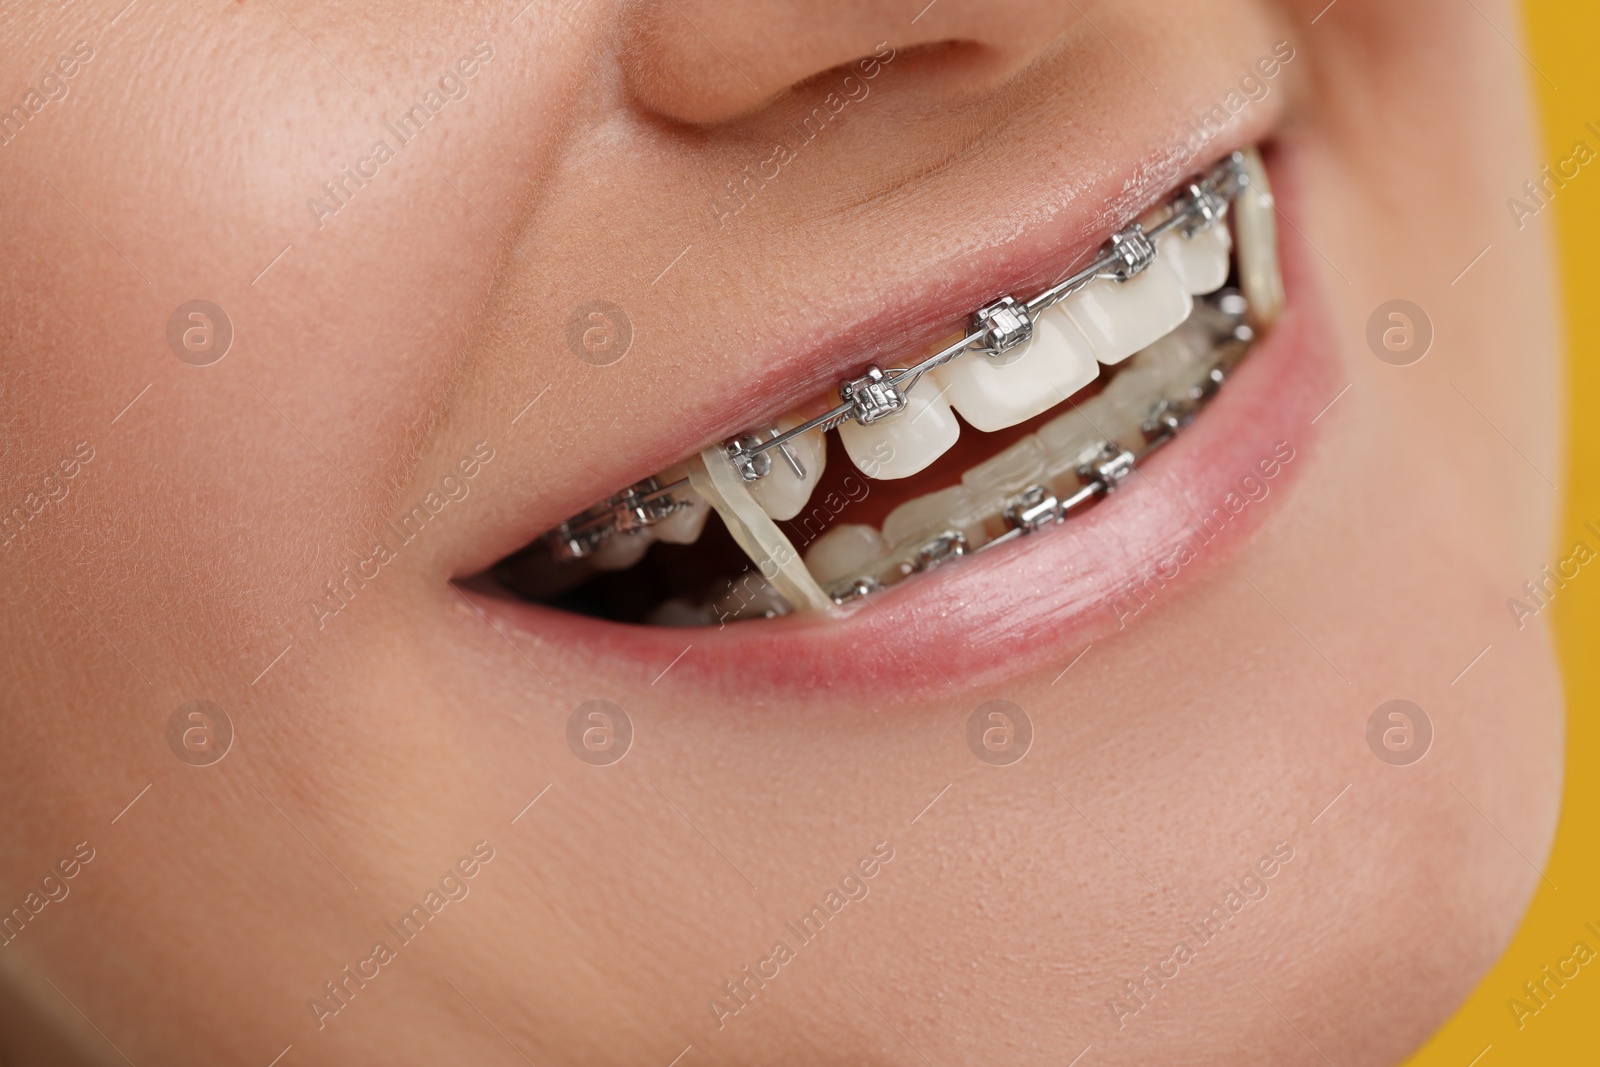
column 473, row 268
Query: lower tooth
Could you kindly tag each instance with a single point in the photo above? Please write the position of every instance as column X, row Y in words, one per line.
column 680, row 612
column 1006, row 473
column 622, row 551
column 1256, row 229
column 751, row 597
column 844, row 551
column 1176, row 350
column 1070, row 439
column 1119, row 318
column 1125, row 403
column 947, row 509
column 904, row 443
column 1216, row 319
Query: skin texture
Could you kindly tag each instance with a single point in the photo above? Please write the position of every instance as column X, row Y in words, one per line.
column 421, row 318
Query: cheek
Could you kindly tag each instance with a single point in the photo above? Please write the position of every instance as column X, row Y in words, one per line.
column 345, row 335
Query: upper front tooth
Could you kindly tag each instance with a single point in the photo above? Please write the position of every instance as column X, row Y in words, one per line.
column 900, row 445
column 1256, row 227
column 1119, row 318
column 783, row 492
column 1201, row 261
column 995, row 392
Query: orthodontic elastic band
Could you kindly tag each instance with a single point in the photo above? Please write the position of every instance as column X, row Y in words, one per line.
column 995, row 329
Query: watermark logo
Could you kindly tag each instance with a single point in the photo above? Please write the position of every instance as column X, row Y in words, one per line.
column 1399, row 333
column 453, row 84
column 1252, row 488
column 852, row 887
column 199, row 333
column 1399, row 733
column 1540, row 191
column 999, row 733
column 1254, row 86
column 1251, row 888
column 50, row 488
column 199, row 733
column 599, row 733
column 1539, row 592
column 454, row 885
column 599, row 333
column 52, row 88
column 788, row 142
column 53, row 888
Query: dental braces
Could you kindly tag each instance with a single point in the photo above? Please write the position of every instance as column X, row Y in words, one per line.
column 996, row 329
column 1105, row 466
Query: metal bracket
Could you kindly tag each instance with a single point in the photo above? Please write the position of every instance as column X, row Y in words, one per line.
column 952, row 544
column 1203, row 208
column 1108, row 468
column 1002, row 326
column 1135, row 249
column 872, row 397
column 1033, row 508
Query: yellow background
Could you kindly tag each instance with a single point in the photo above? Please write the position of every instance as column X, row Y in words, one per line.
column 1563, row 39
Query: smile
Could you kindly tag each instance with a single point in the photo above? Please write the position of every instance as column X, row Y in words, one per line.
column 1063, row 395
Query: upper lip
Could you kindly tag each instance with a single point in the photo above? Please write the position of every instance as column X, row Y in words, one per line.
column 984, row 618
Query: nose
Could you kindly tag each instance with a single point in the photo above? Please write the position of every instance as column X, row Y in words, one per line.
column 707, row 61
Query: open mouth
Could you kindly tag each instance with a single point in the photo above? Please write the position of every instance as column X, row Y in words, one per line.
column 1039, row 408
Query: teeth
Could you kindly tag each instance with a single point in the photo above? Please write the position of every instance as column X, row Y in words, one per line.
column 1257, row 232
column 1201, row 261
column 680, row 612
column 751, row 597
column 1119, row 318
column 783, row 493
column 1008, row 472
column 992, row 394
column 1182, row 349
column 621, row 552
column 845, row 550
column 947, row 509
column 1213, row 320
column 684, row 526
column 713, row 476
column 902, row 444
column 1121, row 409
column 1176, row 350
column 1069, row 439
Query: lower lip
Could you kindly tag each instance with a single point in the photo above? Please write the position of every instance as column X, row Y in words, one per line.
column 1034, row 604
